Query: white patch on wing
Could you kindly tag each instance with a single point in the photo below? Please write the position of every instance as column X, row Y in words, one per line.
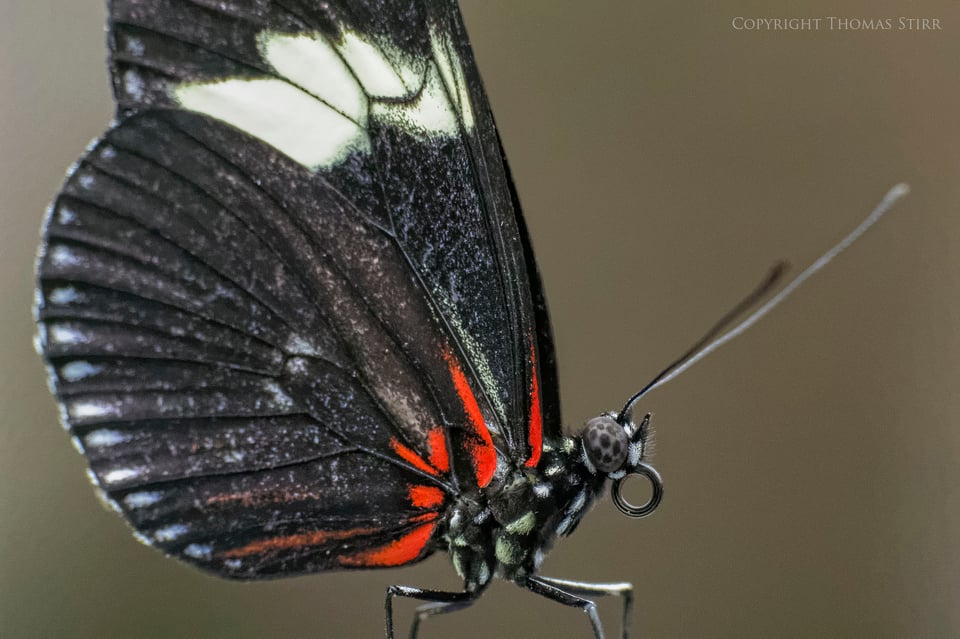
column 280, row 114
column 170, row 533
column 142, row 499
column 105, row 438
column 198, row 551
column 65, row 215
column 119, row 475
column 65, row 335
column 63, row 256
column 64, row 295
column 377, row 75
column 78, row 370
column 133, row 84
column 310, row 62
column 451, row 69
column 430, row 112
column 315, row 110
column 90, row 408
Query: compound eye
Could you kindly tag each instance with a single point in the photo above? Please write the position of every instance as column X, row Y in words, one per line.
column 606, row 443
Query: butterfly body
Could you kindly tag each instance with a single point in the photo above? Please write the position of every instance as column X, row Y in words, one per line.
column 521, row 515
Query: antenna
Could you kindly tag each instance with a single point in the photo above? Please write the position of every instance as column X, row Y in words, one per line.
column 710, row 342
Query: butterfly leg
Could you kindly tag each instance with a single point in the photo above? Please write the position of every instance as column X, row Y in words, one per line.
column 584, row 589
column 443, row 601
column 436, row 608
column 559, row 594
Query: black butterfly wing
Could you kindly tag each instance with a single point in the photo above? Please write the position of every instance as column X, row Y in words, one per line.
column 263, row 304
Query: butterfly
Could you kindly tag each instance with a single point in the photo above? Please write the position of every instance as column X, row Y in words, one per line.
column 291, row 312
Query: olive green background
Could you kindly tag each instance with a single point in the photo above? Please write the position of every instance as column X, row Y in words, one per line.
column 664, row 160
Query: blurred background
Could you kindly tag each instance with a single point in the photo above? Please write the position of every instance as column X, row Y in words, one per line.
column 665, row 159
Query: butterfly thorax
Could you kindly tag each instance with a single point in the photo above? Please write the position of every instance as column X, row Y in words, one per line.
column 519, row 516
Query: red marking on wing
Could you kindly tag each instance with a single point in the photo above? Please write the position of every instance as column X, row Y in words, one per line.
column 479, row 444
column 439, row 458
column 396, row 553
column 425, row 496
column 437, row 445
column 413, row 458
column 301, row 540
column 535, row 427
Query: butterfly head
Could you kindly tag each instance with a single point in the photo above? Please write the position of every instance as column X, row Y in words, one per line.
column 616, row 447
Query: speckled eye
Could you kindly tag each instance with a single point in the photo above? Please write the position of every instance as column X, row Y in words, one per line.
column 606, row 443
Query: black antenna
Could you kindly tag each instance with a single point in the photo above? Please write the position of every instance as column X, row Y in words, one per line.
column 710, row 342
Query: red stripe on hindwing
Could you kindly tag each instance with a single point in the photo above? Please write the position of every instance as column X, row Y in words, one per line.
column 478, row 443
column 535, row 427
column 396, row 553
column 301, row 540
column 439, row 459
column 404, row 549
column 425, row 496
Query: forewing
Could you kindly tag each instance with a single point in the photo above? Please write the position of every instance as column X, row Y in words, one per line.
column 397, row 82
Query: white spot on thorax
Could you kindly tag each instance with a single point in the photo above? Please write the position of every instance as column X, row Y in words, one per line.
column 522, row 525
column 506, row 551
